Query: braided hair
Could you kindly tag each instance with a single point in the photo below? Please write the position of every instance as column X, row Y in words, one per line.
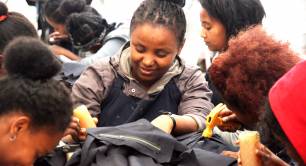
column 168, row 13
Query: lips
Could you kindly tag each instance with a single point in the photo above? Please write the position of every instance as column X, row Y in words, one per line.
column 146, row 71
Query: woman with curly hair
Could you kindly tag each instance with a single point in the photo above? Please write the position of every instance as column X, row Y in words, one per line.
column 223, row 19
column 245, row 72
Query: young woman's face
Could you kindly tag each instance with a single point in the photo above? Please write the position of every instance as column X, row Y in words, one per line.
column 153, row 50
column 213, row 32
column 26, row 146
column 57, row 26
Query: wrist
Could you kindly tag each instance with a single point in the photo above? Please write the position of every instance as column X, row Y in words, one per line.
column 171, row 118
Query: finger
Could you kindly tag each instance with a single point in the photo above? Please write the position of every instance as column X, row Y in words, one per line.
column 95, row 120
column 264, row 156
column 225, row 112
column 229, row 118
column 230, row 154
column 83, row 134
column 54, row 34
column 239, row 159
column 71, row 132
column 75, row 119
column 83, row 131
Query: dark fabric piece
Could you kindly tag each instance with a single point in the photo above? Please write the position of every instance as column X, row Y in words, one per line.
column 214, row 144
column 57, row 158
column 216, row 97
column 206, row 158
column 119, row 108
column 140, row 143
column 135, row 144
column 70, row 73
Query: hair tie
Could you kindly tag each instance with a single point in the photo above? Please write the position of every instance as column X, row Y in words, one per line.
column 3, row 17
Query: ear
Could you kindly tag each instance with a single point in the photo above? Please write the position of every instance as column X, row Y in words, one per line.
column 19, row 125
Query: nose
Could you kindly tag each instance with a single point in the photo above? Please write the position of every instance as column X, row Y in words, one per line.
column 203, row 33
column 148, row 60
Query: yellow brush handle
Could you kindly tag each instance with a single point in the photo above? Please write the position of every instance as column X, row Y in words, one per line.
column 82, row 113
column 248, row 142
column 213, row 120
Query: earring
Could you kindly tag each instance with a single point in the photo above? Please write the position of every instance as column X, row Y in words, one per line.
column 12, row 138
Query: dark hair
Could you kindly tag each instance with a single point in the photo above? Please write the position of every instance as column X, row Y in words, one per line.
column 272, row 134
column 235, row 15
column 29, row 88
column 161, row 12
column 87, row 28
column 59, row 10
column 245, row 72
column 14, row 25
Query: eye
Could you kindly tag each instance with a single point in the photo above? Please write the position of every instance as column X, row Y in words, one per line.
column 206, row 26
column 161, row 53
column 140, row 48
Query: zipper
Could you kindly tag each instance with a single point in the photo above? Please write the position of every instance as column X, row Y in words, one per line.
column 132, row 138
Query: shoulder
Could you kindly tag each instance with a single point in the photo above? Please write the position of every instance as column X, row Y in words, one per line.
column 101, row 72
column 190, row 73
column 120, row 33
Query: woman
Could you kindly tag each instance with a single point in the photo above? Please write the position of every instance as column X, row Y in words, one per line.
column 223, row 19
column 245, row 72
column 147, row 79
column 12, row 25
column 34, row 107
column 85, row 28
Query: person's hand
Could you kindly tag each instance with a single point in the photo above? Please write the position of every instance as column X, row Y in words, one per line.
column 58, row 50
column 230, row 154
column 74, row 132
column 269, row 158
column 56, row 37
column 163, row 122
column 230, row 121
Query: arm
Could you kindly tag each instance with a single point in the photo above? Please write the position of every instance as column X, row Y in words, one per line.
column 58, row 51
column 195, row 103
column 194, row 106
column 92, row 86
column 108, row 49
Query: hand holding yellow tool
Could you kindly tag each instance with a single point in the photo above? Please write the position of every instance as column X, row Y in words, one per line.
column 213, row 120
column 86, row 121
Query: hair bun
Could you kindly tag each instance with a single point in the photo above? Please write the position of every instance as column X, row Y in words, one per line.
column 31, row 58
column 3, row 9
column 68, row 7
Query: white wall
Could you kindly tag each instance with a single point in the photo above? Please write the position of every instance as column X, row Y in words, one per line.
column 285, row 19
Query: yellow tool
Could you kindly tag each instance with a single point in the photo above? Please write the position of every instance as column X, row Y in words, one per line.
column 86, row 121
column 213, row 120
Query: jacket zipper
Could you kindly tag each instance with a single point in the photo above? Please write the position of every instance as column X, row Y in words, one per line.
column 133, row 138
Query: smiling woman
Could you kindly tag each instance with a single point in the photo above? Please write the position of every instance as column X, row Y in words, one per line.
column 147, row 77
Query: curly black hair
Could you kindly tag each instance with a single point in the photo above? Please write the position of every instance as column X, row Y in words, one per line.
column 59, row 10
column 85, row 27
column 13, row 26
column 29, row 88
